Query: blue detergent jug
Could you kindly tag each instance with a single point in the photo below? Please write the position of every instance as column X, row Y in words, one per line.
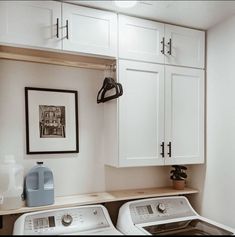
column 39, row 186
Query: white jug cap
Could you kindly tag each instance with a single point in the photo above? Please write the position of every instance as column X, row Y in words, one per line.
column 9, row 159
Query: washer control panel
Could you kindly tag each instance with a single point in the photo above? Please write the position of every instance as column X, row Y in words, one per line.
column 65, row 220
column 159, row 209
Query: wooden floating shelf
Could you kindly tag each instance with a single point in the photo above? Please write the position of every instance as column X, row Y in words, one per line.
column 103, row 197
column 62, row 58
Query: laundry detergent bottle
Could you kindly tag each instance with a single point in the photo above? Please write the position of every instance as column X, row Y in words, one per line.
column 39, row 186
column 11, row 183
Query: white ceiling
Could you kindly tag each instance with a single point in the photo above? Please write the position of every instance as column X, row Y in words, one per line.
column 195, row 14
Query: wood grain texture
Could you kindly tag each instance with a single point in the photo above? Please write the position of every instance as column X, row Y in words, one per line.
column 54, row 58
column 104, row 197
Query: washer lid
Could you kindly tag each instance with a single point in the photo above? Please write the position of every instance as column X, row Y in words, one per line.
column 189, row 227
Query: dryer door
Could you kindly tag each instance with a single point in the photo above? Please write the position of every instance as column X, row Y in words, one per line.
column 189, row 227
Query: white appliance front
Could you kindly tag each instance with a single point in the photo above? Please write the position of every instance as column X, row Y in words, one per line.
column 82, row 220
column 166, row 216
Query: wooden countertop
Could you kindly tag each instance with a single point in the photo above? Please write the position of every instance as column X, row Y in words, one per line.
column 103, row 197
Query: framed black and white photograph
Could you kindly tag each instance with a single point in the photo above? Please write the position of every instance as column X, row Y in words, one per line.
column 51, row 121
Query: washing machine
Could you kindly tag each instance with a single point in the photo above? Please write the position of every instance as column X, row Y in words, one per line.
column 82, row 220
column 166, row 216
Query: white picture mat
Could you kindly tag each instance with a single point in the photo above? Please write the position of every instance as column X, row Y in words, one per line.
column 36, row 98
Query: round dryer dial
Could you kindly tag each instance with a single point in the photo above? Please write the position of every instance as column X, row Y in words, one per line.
column 161, row 208
column 67, row 220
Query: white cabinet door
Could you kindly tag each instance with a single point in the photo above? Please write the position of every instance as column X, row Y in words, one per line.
column 184, row 46
column 141, row 114
column 30, row 23
column 184, row 115
column 140, row 39
column 89, row 30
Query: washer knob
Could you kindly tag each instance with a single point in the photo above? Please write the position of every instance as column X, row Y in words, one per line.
column 161, row 207
column 67, row 220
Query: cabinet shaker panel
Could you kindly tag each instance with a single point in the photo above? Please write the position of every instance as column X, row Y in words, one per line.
column 141, row 114
column 140, row 39
column 184, row 115
column 31, row 23
column 184, row 46
column 88, row 30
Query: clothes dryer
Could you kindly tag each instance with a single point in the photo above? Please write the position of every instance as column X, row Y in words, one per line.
column 166, row 216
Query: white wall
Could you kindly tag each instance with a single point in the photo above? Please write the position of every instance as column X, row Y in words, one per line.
column 73, row 173
column 217, row 199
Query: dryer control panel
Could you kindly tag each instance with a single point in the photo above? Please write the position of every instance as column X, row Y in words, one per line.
column 145, row 211
column 61, row 221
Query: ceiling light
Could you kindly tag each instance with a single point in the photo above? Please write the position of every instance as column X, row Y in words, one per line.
column 125, row 4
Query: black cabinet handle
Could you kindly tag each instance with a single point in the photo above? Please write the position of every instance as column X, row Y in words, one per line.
column 67, row 29
column 163, row 45
column 162, row 153
column 57, row 27
column 170, row 47
column 169, row 145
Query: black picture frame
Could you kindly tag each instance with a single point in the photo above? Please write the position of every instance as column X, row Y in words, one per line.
column 51, row 117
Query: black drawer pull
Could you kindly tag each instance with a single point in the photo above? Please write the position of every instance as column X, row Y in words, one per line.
column 57, row 27
column 67, row 29
column 170, row 47
column 163, row 45
column 169, row 145
column 162, row 153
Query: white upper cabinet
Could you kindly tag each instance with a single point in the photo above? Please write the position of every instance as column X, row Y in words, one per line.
column 160, row 116
column 89, row 30
column 141, row 114
column 39, row 24
column 30, row 23
column 150, row 41
column 184, row 46
column 140, row 39
column 56, row 25
column 184, row 113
